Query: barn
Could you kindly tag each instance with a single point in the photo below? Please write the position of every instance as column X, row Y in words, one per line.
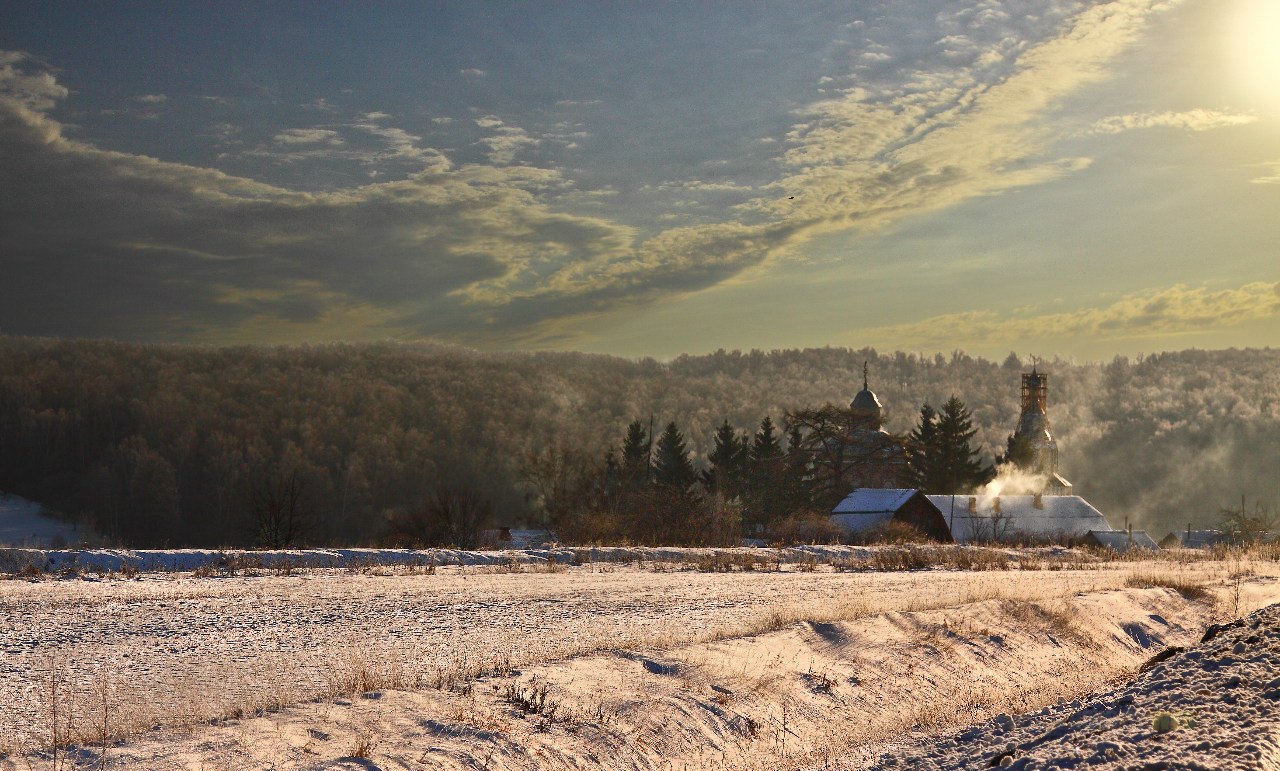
column 1120, row 540
column 870, row 510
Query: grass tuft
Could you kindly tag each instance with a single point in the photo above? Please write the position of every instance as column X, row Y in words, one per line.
column 1189, row 589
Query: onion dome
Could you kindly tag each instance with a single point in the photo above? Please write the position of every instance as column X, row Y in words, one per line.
column 865, row 404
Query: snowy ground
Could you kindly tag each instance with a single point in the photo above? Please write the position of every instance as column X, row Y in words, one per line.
column 229, row 560
column 1212, row 706
column 634, row 664
column 23, row 524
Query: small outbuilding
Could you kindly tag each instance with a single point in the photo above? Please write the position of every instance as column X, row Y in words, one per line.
column 1194, row 539
column 1119, row 540
column 868, row 510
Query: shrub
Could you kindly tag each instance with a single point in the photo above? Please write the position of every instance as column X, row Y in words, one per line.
column 805, row 527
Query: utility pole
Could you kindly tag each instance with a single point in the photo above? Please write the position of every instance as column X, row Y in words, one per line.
column 648, row 466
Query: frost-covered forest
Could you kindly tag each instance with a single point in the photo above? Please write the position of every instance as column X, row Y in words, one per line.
column 171, row 445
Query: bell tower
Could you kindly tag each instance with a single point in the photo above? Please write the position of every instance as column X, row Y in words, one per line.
column 1037, row 449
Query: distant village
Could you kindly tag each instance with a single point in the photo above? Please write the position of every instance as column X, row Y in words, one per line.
column 1028, row 501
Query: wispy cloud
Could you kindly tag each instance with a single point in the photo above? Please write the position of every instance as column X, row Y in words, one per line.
column 151, row 98
column 1190, row 120
column 944, row 134
column 1176, row 310
column 313, row 136
column 181, row 252
column 1273, row 178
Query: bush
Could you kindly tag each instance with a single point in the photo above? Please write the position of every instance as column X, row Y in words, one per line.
column 805, row 527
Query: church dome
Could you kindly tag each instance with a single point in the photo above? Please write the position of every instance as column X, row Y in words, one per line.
column 866, row 403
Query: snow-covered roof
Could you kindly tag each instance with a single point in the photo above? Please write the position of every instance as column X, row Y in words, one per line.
column 1123, row 540
column 869, row 508
column 873, row 500
column 1199, row 539
column 1019, row 515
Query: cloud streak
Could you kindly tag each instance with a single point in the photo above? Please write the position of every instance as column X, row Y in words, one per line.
column 1190, row 120
column 944, row 135
column 1176, row 310
column 141, row 248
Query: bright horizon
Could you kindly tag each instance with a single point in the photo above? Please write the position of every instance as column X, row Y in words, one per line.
column 1085, row 179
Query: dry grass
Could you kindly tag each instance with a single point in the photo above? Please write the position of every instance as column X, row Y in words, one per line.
column 1187, row 587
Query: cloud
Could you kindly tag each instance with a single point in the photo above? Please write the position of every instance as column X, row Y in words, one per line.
column 944, row 133
column 32, row 88
column 1191, row 120
column 1270, row 179
column 98, row 242
column 473, row 72
column 133, row 246
column 1176, row 310
column 314, row 136
column 506, row 140
column 151, row 98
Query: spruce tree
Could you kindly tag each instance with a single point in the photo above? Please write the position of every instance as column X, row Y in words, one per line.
column 765, row 448
column 728, row 461
column 635, row 456
column 768, row 475
column 1020, row 452
column 671, row 465
column 940, row 455
column 958, row 465
column 797, row 473
column 921, row 449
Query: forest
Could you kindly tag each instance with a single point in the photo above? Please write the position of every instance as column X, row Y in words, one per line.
column 337, row 444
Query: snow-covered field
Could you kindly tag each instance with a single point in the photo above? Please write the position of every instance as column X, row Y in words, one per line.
column 22, row 523
column 1215, row 705
column 540, row 665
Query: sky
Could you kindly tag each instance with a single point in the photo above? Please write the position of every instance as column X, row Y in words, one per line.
column 1052, row 177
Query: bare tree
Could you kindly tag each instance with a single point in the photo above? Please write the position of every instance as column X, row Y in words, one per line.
column 280, row 519
column 560, row 482
column 450, row 516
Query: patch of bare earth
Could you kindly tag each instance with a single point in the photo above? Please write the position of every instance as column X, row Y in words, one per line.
column 597, row 666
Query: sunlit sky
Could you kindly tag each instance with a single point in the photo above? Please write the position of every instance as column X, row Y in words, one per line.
column 1050, row 177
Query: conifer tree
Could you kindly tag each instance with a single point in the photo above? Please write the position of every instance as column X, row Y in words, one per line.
column 671, row 465
column 942, row 459
column 726, row 475
column 921, row 446
column 959, row 467
column 1020, row 452
column 765, row 448
column 768, row 475
column 635, row 456
column 797, row 474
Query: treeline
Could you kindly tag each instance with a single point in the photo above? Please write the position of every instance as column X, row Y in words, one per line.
column 756, row 486
column 172, row 445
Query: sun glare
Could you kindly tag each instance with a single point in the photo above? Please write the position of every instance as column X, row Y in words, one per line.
column 1254, row 44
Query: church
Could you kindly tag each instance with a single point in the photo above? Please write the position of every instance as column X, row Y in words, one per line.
column 876, row 459
column 1044, row 507
column 1032, row 447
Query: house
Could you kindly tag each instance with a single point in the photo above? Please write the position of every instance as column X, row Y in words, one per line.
column 1119, row 540
column 1195, row 539
column 868, row 510
column 1018, row 517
